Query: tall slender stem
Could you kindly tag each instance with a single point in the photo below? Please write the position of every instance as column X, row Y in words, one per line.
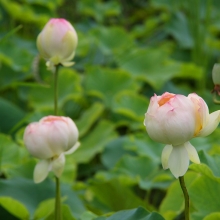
column 58, row 212
column 56, row 90
column 186, row 196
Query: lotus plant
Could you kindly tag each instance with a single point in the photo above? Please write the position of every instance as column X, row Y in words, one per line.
column 57, row 43
column 50, row 140
column 174, row 120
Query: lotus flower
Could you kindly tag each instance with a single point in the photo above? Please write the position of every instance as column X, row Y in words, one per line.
column 50, row 140
column 173, row 120
column 57, row 42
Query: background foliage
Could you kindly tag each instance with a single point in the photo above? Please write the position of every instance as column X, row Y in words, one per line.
column 128, row 50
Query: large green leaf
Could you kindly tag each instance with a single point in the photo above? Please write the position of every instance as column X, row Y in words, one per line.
column 143, row 170
column 133, row 214
column 213, row 216
column 114, row 151
column 88, row 118
column 112, row 40
column 24, row 12
column 31, row 195
column 100, row 10
column 94, row 142
column 42, row 96
column 9, row 153
column 133, row 166
column 44, row 209
column 131, row 105
column 14, row 207
column 107, row 83
column 150, row 65
column 179, row 29
column 10, row 115
column 88, row 216
column 204, row 193
column 114, row 195
column 11, row 77
column 142, row 145
column 134, row 170
column 209, row 166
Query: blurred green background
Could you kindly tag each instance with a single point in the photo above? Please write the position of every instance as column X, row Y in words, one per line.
column 127, row 51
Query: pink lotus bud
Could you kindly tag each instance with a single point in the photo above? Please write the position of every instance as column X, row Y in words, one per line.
column 174, row 120
column 57, row 42
column 49, row 140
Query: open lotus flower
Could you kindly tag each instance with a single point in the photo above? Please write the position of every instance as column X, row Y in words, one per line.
column 50, row 140
column 57, row 43
column 174, row 120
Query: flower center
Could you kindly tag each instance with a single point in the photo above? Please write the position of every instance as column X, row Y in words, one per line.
column 165, row 98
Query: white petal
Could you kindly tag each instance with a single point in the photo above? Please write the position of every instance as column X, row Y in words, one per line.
column 68, row 64
column 165, row 156
column 193, row 155
column 41, row 170
column 178, row 161
column 73, row 149
column 58, row 165
column 211, row 125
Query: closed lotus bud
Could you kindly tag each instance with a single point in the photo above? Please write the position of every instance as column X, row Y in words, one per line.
column 57, row 42
column 216, row 74
column 216, row 78
column 174, row 120
column 49, row 140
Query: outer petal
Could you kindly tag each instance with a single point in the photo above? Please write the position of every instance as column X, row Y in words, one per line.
column 171, row 122
column 67, row 64
column 41, row 170
column 155, row 130
column 193, row 155
column 165, row 156
column 58, row 165
column 34, row 139
column 178, row 125
column 178, row 161
column 211, row 125
column 73, row 149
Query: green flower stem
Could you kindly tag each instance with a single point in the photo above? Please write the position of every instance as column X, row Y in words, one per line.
column 56, row 90
column 186, row 196
column 58, row 212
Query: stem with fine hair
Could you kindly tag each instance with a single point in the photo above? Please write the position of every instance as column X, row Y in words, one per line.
column 186, row 196
column 58, row 212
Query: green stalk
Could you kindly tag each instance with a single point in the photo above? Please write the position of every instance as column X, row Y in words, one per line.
column 58, row 212
column 56, row 90
column 186, row 196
